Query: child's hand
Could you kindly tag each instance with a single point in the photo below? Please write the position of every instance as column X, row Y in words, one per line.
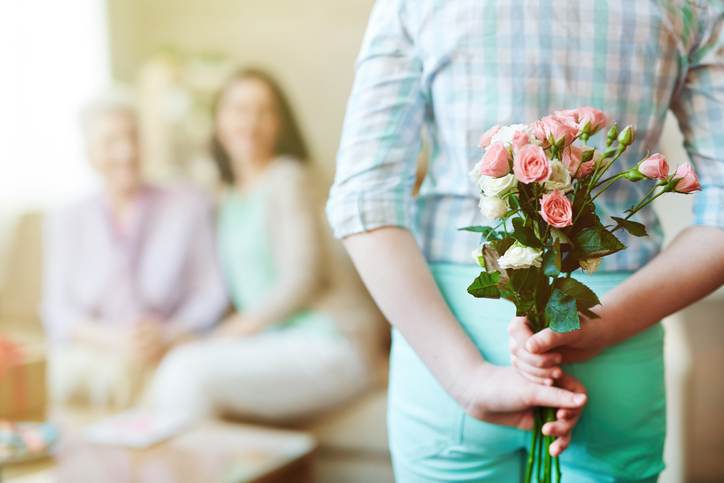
column 539, row 368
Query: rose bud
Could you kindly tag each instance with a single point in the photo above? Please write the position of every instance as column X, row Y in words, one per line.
column 685, row 179
column 654, row 167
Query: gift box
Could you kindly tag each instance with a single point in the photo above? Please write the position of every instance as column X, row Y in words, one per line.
column 22, row 380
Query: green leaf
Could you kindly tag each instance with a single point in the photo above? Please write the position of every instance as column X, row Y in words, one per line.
column 585, row 213
column 523, row 232
column 589, row 313
column 633, row 227
column 524, row 281
column 542, row 293
column 585, row 297
column 523, row 307
column 552, row 260
column 569, row 262
column 488, row 232
column 561, row 313
column 596, row 241
column 485, row 286
column 501, row 246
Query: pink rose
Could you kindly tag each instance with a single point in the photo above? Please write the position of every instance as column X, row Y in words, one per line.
column 572, row 159
column 686, row 179
column 531, row 164
column 540, row 133
column 582, row 116
column 520, row 139
column 556, row 209
column 595, row 119
column 555, row 128
column 488, row 135
column 654, row 167
column 495, row 161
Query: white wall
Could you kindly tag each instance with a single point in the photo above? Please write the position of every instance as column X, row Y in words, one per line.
column 54, row 55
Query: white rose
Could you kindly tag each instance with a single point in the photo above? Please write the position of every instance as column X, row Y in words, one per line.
column 560, row 178
column 520, row 256
column 498, row 186
column 475, row 172
column 505, row 134
column 478, row 256
column 492, row 207
column 590, row 265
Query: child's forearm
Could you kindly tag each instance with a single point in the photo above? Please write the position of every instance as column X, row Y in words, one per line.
column 691, row 267
column 396, row 274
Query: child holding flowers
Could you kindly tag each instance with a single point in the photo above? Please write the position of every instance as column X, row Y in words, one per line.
column 457, row 409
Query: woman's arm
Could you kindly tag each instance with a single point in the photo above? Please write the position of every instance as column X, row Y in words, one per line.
column 205, row 297
column 63, row 320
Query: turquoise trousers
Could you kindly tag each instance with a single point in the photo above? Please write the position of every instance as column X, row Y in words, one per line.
column 619, row 438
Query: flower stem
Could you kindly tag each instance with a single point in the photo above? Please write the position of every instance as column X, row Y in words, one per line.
column 539, row 447
column 642, row 204
column 557, row 462
column 615, row 176
column 533, row 446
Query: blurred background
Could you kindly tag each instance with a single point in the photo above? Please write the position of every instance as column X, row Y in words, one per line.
column 175, row 57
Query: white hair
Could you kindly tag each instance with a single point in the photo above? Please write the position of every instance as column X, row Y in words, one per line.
column 114, row 101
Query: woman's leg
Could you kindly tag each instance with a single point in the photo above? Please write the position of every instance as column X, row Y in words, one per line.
column 289, row 374
column 277, row 375
column 179, row 383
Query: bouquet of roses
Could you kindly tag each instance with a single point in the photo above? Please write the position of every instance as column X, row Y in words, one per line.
column 538, row 185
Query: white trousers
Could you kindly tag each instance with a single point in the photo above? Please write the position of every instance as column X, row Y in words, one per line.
column 274, row 376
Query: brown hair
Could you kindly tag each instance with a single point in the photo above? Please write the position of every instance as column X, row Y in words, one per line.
column 290, row 142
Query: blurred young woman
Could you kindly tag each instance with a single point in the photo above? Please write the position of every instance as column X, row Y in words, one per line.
column 128, row 271
column 301, row 337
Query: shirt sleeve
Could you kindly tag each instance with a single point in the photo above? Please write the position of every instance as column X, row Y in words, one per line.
column 59, row 313
column 381, row 136
column 205, row 296
column 699, row 107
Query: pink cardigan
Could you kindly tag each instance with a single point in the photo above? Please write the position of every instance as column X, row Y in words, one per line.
column 164, row 266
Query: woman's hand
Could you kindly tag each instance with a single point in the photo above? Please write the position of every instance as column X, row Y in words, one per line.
column 147, row 342
column 237, row 325
column 501, row 395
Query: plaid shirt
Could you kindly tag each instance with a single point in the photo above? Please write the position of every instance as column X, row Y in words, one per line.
column 451, row 69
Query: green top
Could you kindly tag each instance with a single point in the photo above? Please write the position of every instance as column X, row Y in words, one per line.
column 246, row 252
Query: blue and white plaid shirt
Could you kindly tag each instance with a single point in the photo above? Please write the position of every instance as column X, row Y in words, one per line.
column 456, row 67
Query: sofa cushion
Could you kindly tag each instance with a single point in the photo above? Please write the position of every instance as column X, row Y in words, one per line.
column 360, row 426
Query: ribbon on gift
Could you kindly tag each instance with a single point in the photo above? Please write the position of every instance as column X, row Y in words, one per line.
column 11, row 355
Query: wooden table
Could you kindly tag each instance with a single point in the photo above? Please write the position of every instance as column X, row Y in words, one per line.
column 208, row 453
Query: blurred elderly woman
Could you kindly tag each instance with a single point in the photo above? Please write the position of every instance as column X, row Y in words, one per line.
column 129, row 271
column 302, row 336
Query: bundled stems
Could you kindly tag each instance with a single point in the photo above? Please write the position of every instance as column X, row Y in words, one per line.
column 540, row 462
